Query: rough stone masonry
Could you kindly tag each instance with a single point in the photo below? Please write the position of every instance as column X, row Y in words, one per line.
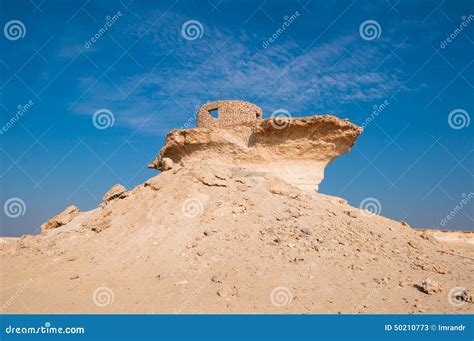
column 230, row 113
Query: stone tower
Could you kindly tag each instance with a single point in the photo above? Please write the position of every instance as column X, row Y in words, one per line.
column 228, row 113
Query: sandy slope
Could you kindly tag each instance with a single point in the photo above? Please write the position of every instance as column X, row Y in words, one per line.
column 217, row 239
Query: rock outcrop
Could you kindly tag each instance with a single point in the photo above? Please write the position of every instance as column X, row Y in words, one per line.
column 116, row 192
column 226, row 226
column 61, row 219
column 294, row 149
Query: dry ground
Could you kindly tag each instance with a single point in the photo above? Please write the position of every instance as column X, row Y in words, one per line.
column 220, row 240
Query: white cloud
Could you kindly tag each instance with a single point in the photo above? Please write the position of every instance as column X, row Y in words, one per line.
column 221, row 65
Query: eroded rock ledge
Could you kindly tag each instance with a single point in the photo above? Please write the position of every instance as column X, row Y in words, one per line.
column 295, row 149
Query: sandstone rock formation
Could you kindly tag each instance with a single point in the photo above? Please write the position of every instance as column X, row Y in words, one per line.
column 295, row 149
column 61, row 219
column 116, row 192
column 227, row 223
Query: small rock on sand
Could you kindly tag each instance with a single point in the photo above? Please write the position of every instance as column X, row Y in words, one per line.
column 430, row 286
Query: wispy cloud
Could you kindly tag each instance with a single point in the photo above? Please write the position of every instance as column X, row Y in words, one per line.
column 226, row 65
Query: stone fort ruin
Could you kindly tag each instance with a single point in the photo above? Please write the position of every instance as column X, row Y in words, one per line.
column 228, row 113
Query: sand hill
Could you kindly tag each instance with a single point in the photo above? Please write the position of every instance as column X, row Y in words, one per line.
column 232, row 224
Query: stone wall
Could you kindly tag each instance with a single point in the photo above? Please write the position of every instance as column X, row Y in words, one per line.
column 230, row 113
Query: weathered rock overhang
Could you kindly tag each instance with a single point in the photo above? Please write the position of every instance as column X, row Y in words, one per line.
column 295, row 149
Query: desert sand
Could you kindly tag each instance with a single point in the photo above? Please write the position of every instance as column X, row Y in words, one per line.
column 232, row 224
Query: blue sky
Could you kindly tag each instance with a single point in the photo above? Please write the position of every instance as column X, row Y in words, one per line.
column 152, row 79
